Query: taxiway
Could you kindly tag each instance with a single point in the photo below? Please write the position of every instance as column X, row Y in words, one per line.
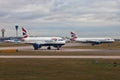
column 30, row 48
column 61, row 57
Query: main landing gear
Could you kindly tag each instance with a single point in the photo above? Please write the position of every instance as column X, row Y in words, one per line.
column 58, row 47
column 49, row 48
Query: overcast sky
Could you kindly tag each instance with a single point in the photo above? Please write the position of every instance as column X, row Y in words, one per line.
column 88, row 18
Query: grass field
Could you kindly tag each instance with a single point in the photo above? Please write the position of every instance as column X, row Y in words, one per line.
column 59, row 69
column 12, row 44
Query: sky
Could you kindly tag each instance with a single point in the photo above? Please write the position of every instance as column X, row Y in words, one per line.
column 88, row 18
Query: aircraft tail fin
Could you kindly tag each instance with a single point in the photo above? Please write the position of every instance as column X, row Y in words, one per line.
column 73, row 36
column 24, row 32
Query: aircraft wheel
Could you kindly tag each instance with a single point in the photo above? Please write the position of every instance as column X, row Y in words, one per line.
column 49, row 48
column 58, row 48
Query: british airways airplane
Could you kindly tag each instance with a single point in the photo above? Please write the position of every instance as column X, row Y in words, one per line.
column 38, row 42
column 92, row 41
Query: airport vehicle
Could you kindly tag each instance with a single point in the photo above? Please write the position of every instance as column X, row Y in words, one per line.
column 38, row 42
column 92, row 41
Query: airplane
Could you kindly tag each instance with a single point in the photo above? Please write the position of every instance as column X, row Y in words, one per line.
column 13, row 41
column 38, row 42
column 92, row 41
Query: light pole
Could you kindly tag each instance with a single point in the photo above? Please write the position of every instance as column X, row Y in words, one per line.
column 3, row 31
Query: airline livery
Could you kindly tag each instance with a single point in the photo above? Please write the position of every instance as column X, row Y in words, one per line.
column 93, row 41
column 38, row 42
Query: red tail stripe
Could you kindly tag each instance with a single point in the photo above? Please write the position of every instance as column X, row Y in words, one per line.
column 72, row 33
column 24, row 30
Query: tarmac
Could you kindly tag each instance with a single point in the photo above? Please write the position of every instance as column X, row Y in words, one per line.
column 30, row 48
column 59, row 57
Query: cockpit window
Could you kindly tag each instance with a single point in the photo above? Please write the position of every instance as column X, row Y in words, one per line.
column 54, row 39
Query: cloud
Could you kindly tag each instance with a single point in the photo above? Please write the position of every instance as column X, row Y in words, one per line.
column 73, row 14
column 63, row 9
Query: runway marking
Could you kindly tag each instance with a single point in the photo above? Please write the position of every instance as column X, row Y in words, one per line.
column 61, row 57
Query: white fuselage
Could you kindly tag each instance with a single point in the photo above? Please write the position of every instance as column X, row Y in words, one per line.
column 38, row 42
column 92, row 40
column 44, row 40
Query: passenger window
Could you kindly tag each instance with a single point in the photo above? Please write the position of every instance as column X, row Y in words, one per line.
column 60, row 40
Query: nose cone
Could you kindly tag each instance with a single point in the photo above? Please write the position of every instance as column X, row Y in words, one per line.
column 113, row 40
column 64, row 42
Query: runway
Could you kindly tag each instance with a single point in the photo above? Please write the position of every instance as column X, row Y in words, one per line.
column 30, row 48
column 60, row 57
